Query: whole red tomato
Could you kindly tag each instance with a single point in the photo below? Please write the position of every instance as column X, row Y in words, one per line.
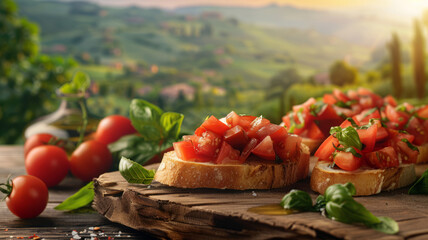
column 90, row 159
column 49, row 163
column 113, row 127
column 37, row 140
column 28, row 198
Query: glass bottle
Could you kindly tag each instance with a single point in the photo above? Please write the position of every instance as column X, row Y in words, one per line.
column 67, row 120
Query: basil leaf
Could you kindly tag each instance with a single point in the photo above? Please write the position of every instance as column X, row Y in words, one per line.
column 316, row 108
column 320, row 203
column 145, row 118
column 421, row 185
column 347, row 137
column 297, row 200
column 81, row 198
column 79, row 84
column 386, row 225
column 350, row 211
column 134, row 172
column 171, row 123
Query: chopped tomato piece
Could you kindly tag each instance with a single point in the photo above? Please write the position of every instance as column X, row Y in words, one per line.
column 267, row 130
column 185, row 150
column 214, row 125
column 352, row 94
column 280, row 135
column 329, row 99
column 381, row 134
column 208, row 144
column 286, row 120
column 234, row 119
column 256, row 125
column 247, row 150
column 236, row 137
column 265, row 149
column 288, row 148
column 339, row 95
column 416, row 128
column 390, row 100
column 227, row 155
column 328, row 112
column 347, row 161
column 306, row 105
column 314, row 132
column 326, row 149
column 398, row 117
column 383, row 158
column 366, row 115
column 199, row 131
column 347, row 123
column 405, row 153
column 423, row 111
column 368, row 137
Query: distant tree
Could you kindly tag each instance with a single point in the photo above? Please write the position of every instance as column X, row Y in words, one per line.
column 207, row 30
column 395, row 56
column 27, row 81
column 342, row 74
column 419, row 60
column 198, row 98
column 279, row 84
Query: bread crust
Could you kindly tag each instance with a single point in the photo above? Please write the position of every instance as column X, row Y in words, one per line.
column 366, row 181
column 253, row 174
column 423, row 154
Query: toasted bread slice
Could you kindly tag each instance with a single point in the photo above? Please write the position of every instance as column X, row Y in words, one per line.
column 313, row 144
column 366, row 181
column 253, row 174
column 423, row 154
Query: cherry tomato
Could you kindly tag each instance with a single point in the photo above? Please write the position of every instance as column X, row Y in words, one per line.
column 49, row 163
column 37, row 140
column 90, row 159
column 113, row 127
column 28, row 198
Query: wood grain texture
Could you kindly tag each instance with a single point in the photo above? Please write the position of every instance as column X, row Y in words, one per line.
column 175, row 213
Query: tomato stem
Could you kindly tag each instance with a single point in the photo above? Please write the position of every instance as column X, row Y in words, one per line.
column 6, row 188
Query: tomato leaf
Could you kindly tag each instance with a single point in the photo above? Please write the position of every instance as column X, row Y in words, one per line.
column 145, row 118
column 80, row 199
column 134, row 172
column 421, row 185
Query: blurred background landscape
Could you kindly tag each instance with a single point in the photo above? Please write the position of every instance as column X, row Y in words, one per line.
column 205, row 57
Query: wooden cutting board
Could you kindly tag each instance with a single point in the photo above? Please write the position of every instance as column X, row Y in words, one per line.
column 173, row 213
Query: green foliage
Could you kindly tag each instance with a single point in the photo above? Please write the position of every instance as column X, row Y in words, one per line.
column 27, row 80
column 342, row 74
column 80, row 199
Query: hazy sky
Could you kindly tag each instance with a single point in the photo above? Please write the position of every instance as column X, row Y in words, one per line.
column 399, row 8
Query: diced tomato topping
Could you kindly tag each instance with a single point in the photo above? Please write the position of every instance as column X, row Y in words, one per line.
column 236, row 137
column 256, row 125
column 381, row 134
column 305, row 106
column 328, row 112
column 352, row 94
column 199, row 131
column 329, row 99
column 208, row 144
column 234, row 119
column 314, row 132
column 265, row 149
column 185, row 150
column 423, row 111
column 326, row 149
column 347, row 123
column 368, row 137
column 383, row 158
column 247, row 150
column 339, row 95
column 365, row 116
column 343, row 111
column 416, row 128
column 397, row 117
column 390, row 100
column 286, row 120
column 227, row 155
column 280, row 135
column 405, row 153
column 287, row 149
column 267, row 130
column 347, row 161
column 216, row 126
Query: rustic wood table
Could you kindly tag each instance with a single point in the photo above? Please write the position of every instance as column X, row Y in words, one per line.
column 53, row 224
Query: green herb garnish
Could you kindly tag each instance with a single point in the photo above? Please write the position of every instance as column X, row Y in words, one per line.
column 80, row 199
column 134, row 172
column 421, row 185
